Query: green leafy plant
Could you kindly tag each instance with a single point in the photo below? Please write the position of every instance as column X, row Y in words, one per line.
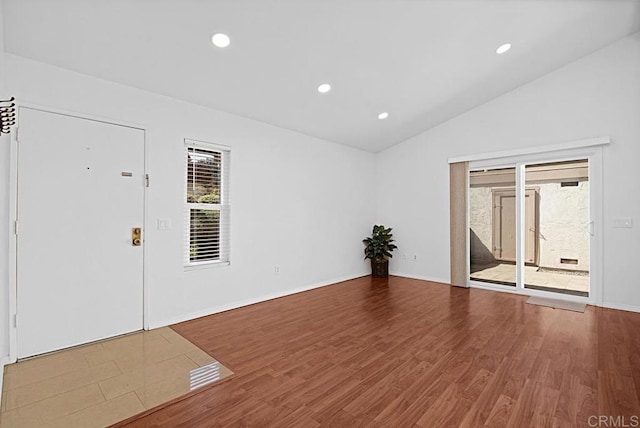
column 379, row 245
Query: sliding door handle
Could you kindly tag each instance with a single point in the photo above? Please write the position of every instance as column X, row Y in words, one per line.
column 590, row 228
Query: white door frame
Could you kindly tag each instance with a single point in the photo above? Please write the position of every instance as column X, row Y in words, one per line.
column 13, row 206
column 594, row 154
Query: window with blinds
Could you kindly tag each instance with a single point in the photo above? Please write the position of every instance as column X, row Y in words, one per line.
column 207, row 229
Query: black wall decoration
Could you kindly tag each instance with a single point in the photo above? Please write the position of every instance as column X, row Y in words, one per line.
column 7, row 115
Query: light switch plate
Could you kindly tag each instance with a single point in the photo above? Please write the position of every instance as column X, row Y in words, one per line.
column 623, row 222
column 164, row 223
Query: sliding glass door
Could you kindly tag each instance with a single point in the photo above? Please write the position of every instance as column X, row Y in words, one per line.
column 531, row 225
column 559, row 232
column 492, row 225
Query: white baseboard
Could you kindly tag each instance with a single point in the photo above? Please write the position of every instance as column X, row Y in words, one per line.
column 241, row 303
column 247, row 302
column 621, row 307
column 422, row 277
column 3, row 362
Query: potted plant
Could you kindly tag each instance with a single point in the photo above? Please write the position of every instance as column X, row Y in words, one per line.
column 378, row 248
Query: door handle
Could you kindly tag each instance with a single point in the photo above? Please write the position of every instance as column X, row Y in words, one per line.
column 136, row 237
column 590, row 228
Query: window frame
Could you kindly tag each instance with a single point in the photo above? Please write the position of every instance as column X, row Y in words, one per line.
column 223, row 207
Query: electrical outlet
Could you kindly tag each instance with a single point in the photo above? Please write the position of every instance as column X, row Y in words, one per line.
column 415, row 257
column 276, row 270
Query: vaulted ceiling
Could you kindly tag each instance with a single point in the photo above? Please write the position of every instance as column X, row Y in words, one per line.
column 423, row 62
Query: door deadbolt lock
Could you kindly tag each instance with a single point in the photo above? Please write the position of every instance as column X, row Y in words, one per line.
column 136, row 236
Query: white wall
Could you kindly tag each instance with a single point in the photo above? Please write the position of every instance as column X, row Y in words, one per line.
column 4, row 219
column 305, row 204
column 298, row 202
column 597, row 95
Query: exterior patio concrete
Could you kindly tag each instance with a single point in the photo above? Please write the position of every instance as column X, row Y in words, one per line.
column 568, row 281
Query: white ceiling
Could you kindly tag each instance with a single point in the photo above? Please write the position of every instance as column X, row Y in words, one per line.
column 422, row 61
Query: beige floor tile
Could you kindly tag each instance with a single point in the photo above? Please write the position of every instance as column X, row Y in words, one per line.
column 178, row 366
column 171, row 335
column 156, row 332
column 163, row 390
column 133, row 358
column 130, row 363
column 177, row 384
column 102, row 383
column 176, row 339
column 103, row 414
column 128, row 382
column 182, row 345
column 54, row 357
column 171, row 387
column 122, row 384
column 43, row 367
column 57, row 406
column 148, row 357
column 162, row 354
column 14, row 420
column 200, row 357
column 32, row 393
column 133, row 342
column 123, row 347
column 224, row 372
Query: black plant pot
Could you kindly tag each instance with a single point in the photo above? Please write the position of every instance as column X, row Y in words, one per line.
column 380, row 269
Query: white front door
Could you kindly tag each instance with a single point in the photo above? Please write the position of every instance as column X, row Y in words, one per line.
column 80, row 193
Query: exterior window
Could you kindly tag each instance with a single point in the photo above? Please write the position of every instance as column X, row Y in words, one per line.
column 206, row 204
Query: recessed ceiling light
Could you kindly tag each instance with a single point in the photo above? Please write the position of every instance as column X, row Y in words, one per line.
column 502, row 49
column 324, row 88
column 220, row 40
column 383, row 115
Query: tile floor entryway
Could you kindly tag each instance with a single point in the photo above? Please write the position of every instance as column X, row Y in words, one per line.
column 102, row 383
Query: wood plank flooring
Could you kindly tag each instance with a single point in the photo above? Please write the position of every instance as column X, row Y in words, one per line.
column 410, row 353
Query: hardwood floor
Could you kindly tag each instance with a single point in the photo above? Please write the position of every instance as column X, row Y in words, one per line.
column 405, row 353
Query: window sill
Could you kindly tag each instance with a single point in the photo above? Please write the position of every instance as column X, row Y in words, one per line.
column 205, row 265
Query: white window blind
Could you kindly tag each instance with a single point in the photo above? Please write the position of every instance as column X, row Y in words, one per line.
column 207, row 208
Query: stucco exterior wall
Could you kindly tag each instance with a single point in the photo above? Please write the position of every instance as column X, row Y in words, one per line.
column 480, row 235
column 563, row 214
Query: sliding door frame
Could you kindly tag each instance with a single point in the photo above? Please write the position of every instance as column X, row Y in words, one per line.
column 595, row 227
